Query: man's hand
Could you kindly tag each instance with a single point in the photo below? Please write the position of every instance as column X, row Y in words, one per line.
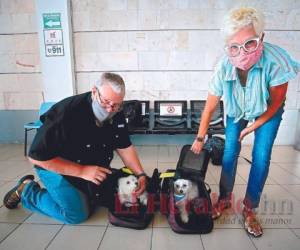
column 94, row 173
column 142, row 182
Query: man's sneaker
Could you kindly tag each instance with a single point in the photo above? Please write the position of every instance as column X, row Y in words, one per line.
column 13, row 197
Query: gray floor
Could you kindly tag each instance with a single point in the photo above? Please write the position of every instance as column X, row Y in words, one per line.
column 279, row 211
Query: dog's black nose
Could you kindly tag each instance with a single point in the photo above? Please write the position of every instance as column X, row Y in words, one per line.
column 181, row 191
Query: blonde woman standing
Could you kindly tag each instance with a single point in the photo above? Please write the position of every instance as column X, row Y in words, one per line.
column 253, row 78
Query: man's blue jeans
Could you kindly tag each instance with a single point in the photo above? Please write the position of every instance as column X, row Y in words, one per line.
column 59, row 199
column 261, row 155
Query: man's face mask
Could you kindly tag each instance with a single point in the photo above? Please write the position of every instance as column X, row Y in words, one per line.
column 100, row 112
column 100, row 106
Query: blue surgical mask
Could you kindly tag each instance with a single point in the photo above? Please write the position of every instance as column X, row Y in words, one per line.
column 101, row 113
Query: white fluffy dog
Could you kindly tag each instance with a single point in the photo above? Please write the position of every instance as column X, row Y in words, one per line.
column 184, row 192
column 126, row 186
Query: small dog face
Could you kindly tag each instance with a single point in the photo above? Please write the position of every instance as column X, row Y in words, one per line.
column 126, row 188
column 181, row 186
column 128, row 184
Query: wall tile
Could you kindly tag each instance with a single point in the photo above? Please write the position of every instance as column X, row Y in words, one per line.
column 288, row 40
column 148, row 19
column 6, row 23
column 7, row 6
column 286, row 134
column 27, row 63
column 118, row 41
column 156, row 81
column 26, row 44
column 107, row 61
column 291, row 99
column 22, row 100
column 7, row 45
column 7, row 63
column 79, row 5
column 81, row 20
column 86, row 62
column 118, row 61
column 154, row 60
column 113, row 20
column 29, row 82
column 83, row 83
column 132, row 4
column 289, row 117
column 21, row 6
column 138, row 41
column 23, row 23
column 7, row 82
column 117, row 5
column 149, row 4
column 176, row 50
column 133, row 81
column 186, row 14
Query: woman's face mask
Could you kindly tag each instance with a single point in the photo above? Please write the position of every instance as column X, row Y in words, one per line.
column 246, row 60
column 245, row 48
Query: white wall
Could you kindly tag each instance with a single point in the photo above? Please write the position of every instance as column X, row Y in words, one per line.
column 20, row 77
column 164, row 49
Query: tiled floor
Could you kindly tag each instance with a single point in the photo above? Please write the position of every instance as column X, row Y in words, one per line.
column 279, row 211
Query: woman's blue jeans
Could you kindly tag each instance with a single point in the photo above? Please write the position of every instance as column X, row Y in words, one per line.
column 261, row 155
column 59, row 199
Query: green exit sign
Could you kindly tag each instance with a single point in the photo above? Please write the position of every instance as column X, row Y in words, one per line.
column 52, row 21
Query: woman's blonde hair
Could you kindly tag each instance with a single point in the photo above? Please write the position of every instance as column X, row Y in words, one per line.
column 241, row 17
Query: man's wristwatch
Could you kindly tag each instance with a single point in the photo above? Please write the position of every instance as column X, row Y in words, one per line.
column 140, row 175
column 200, row 139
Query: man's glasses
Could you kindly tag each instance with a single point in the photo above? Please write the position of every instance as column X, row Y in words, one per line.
column 108, row 103
column 248, row 46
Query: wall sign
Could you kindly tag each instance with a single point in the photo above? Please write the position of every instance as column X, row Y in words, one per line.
column 170, row 109
column 53, row 34
column 51, row 21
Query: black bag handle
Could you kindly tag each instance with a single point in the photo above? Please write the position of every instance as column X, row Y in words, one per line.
column 207, row 186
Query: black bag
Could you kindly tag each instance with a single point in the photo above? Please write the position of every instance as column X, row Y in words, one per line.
column 192, row 167
column 215, row 145
column 133, row 113
column 139, row 216
column 191, row 164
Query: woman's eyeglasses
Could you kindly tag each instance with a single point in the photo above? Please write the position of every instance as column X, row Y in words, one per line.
column 248, row 46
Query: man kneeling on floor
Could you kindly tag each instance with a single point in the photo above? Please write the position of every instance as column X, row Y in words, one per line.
column 74, row 147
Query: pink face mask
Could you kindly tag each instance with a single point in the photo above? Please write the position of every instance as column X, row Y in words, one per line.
column 245, row 61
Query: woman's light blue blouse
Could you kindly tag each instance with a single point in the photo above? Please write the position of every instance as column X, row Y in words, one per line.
column 275, row 67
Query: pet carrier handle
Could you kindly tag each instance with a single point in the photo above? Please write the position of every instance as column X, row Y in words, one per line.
column 167, row 175
column 208, row 187
column 126, row 170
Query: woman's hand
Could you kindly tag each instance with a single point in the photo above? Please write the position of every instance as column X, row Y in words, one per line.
column 94, row 173
column 244, row 132
column 197, row 146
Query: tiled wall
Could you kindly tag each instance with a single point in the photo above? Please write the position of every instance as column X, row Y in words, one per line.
column 20, row 77
column 165, row 49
